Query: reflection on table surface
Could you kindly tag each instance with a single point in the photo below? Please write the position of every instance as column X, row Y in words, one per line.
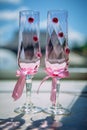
column 73, row 95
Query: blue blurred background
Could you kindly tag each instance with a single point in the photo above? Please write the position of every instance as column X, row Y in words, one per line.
column 9, row 26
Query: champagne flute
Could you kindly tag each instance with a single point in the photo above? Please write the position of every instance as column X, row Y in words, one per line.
column 57, row 56
column 29, row 54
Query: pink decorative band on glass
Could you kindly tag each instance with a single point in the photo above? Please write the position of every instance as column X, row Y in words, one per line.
column 55, row 75
column 17, row 92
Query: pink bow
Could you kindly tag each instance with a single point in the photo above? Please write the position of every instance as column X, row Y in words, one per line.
column 17, row 92
column 58, row 74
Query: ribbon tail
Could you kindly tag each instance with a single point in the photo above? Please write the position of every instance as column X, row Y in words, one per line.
column 47, row 77
column 64, row 74
column 53, row 91
column 17, row 92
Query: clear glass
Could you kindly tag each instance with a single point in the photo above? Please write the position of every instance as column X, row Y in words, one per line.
column 28, row 54
column 57, row 56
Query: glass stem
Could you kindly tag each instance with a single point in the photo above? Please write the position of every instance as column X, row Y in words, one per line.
column 28, row 90
column 57, row 93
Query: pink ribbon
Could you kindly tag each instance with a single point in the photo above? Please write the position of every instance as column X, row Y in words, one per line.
column 18, row 89
column 57, row 74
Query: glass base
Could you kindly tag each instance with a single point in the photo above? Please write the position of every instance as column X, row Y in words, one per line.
column 57, row 110
column 28, row 108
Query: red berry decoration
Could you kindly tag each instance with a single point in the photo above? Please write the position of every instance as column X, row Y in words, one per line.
column 55, row 20
column 67, row 50
column 60, row 34
column 30, row 20
column 55, row 74
column 39, row 54
column 35, row 38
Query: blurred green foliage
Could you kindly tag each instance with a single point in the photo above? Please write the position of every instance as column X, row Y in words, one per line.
column 82, row 50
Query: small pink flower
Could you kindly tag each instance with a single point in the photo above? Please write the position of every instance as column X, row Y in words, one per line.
column 67, row 50
column 30, row 20
column 35, row 38
column 55, row 20
column 60, row 34
column 55, row 74
column 38, row 54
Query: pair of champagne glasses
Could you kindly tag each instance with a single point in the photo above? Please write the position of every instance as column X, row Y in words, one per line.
column 29, row 55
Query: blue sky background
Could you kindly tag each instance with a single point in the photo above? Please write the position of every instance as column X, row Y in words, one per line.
column 77, row 16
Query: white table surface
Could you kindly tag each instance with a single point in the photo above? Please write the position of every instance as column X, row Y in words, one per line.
column 73, row 95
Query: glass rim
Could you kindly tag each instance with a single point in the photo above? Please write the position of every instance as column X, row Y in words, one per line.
column 28, row 11
column 59, row 10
